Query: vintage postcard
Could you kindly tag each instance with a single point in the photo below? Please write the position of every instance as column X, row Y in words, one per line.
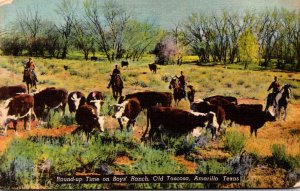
column 149, row 94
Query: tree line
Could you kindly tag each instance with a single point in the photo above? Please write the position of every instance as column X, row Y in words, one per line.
column 266, row 38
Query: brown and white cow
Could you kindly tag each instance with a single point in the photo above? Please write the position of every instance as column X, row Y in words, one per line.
column 95, row 99
column 127, row 112
column 87, row 118
column 173, row 121
column 150, row 98
column 205, row 107
column 50, row 98
column 75, row 100
column 18, row 107
column 7, row 92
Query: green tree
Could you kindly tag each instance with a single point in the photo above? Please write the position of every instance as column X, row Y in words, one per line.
column 247, row 47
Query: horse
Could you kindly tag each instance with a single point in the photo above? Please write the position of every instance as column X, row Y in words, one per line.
column 29, row 79
column 117, row 86
column 178, row 92
column 279, row 100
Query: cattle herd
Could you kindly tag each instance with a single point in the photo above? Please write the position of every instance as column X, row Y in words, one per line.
column 161, row 117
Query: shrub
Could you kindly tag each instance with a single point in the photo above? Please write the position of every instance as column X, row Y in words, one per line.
column 234, row 142
column 281, row 159
column 241, row 164
column 213, row 167
column 182, row 145
column 68, row 119
column 54, row 120
column 141, row 83
column 12, row 45
column 240, row 82
column 151, row 161
column 109, row 100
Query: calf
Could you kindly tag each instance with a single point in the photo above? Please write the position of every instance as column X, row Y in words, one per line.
column 174, row 121
column 7, row 92
column 153, row 68
column 247, row 115
column 87, row 118
column 52, row 98
column 205, row 107
column 127, row 111
column 75, row 100
column 95, row 99
column 150, row 98
column 124, row 63
column 18, row 107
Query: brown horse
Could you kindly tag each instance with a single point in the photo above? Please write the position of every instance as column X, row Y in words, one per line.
column 117, row 86
column 29, row 79
column 178, row 92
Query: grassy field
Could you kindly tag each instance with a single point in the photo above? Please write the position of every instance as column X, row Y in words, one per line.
column 269, row 169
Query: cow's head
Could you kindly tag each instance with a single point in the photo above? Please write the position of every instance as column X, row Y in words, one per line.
column 99, row 121
column 202, row 117
column 76, row 100
column 119, row 110
column 97, row 104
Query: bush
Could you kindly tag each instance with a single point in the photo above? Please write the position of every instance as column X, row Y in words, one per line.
column 12, row 45
column 68, row 119
column 53, row 120
column 234, row 142
column 241, row 164
column 213, row 167
column 151, row 161
column 281, row 159
column 108, row 101
column 182, row 145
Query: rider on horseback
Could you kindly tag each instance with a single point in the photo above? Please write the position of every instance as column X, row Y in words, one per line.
column 115, row 72
column 30, row 66
column 275, row 88
column 182, row 83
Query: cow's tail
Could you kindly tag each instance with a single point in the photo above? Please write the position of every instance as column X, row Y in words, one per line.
column 148, row 120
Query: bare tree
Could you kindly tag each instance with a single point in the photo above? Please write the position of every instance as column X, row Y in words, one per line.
column 116, row 20
column 83, row 37
column 94, row 18
column 67, row 11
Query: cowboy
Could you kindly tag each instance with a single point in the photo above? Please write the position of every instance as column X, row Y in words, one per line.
column 274, row 86
column 182, row 82
column 275, row 89
column 115, row 72
column 31, row 67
